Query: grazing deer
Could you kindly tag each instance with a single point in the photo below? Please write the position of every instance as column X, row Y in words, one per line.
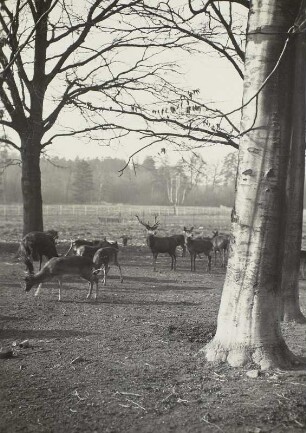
column 57, row 267
column 159, row 244
column 35, row 245
column 221, row 245
column 302, row 263
column 103, row 257
column 198, row 246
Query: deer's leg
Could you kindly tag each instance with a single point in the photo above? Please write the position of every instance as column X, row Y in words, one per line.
column 97, row 287
column 154, row 261
column 38, row 290
column 171, row 255
column 174, row 262
column 119, row 267
column 184, row 251
column 209, row 262
column 105, row 271
column 223, row 258
column 94, row 279
column 90, row 284
column 60, row 285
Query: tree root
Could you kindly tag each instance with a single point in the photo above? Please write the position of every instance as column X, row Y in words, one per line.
column 297, row 317
column 265, row 357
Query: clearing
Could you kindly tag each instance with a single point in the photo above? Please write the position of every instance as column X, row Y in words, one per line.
column 129, row 362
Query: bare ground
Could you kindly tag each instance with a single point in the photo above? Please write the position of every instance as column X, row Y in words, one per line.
column 129, row 362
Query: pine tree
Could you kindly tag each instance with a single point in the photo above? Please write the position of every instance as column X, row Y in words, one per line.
column 82, row 182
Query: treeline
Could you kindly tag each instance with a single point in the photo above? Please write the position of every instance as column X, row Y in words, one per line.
column 99, row 181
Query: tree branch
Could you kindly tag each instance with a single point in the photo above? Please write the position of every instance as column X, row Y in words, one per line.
column 244, row 3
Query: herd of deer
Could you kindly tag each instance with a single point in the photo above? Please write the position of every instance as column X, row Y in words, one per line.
column 91, row 259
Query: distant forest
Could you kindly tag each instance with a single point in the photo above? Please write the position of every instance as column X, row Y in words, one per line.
column 93, row 181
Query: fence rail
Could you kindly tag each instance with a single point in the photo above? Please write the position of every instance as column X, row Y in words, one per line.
column 115, row 211
column 93, row 221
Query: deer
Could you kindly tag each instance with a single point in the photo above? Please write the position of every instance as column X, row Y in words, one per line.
column 57, row 267
column 180, row 242
column 159, row 244
column 197, row 246
column 125, row 240
column 89, row 250
column 221, row 244
column 35, row 245
column 75, row 244
column 102, row 258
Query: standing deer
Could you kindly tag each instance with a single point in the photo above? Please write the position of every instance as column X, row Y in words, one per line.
column 35, row 245
column 221, row 245
column 180, row 242
column 159, row 244
column 103, row 257
column 77, row 243
column 57, row 267
column 89, row 250
column 198, row 246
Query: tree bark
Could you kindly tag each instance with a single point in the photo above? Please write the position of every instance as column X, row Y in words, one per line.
column 31, row 185
column 295, row 187
column 249, row 322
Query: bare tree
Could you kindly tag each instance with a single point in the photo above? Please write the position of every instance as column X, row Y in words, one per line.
column 59, row 59
column 179, row 180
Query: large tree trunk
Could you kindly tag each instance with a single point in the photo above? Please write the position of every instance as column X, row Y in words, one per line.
column 295, row 187
column 31, row 186
column 249, row 322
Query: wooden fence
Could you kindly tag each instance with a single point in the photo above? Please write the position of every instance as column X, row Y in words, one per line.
column 116, row 211
column 112, row 214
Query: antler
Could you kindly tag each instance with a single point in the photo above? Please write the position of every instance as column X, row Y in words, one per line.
column 148, row 226
column 141, row 222
column 156, row 224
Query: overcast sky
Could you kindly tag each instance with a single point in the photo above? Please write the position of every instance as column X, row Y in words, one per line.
column 217, row 82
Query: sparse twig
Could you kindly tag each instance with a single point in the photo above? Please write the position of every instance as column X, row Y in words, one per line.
column 204, row 418
column 128, row 393
column 136, row 404
column 78, row 396
column 299, row 423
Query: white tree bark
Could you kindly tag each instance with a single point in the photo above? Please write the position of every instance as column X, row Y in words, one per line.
column 249, row 322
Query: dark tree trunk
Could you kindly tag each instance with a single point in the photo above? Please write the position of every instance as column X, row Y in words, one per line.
column 290, row 307
column 31, row 186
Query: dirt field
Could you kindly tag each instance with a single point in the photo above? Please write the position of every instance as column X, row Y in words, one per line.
column 129, row 362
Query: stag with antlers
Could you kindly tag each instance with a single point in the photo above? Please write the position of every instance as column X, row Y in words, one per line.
column 159, row 244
